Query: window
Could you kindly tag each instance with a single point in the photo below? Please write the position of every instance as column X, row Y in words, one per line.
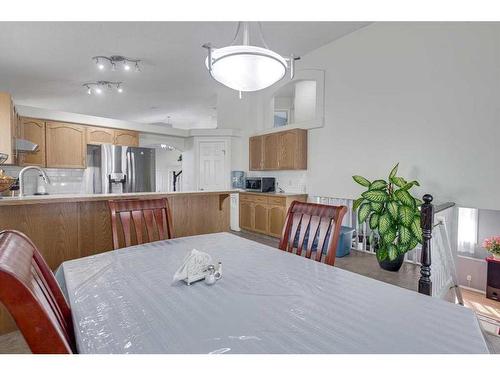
column 280, row 118
column 467, row 229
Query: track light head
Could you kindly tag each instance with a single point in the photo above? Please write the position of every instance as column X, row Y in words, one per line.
column 98, row 87
column 117, row 59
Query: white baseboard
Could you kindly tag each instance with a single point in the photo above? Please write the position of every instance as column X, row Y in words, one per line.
column 473, row 289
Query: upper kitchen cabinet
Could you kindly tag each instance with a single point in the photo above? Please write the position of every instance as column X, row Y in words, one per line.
column 285, row 150
column 99, row 136
column 292, row 149
column 126, row 138
column 270, row 153
column 32, row 130
column 8, row 122
column 66, row 145
column 255, row 150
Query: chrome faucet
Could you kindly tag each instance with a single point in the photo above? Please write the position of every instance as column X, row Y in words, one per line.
column 21, row 177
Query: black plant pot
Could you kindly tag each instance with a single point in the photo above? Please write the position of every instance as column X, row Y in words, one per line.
column 392, row 265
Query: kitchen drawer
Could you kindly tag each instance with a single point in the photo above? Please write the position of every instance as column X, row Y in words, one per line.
column 277, row 201
column 254, row 198
column 246, row 198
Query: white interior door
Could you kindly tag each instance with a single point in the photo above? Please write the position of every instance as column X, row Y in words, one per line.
column 213, row 173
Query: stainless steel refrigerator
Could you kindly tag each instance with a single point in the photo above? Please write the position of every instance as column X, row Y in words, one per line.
column 119, row 169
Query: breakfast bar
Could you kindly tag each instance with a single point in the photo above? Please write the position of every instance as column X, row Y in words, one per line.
column 65, row 227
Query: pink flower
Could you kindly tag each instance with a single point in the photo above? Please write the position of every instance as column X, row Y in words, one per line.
column 492, row 244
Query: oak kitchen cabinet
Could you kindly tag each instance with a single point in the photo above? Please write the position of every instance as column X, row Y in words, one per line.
column 271, row 143
column 99, row 136
column 66, row 145
column 32, row 130
column 286, row 150
column 255, row 150
column 126, row 138
column 266, row 212
column 63, row 145
column 8, row 123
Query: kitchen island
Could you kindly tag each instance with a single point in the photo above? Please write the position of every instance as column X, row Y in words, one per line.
column 65, row 227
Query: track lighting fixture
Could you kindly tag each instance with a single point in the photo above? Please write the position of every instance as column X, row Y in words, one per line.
column 116, row 60
column 99, row 86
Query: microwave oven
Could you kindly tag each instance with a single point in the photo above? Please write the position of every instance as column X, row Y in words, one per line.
column 260, row 184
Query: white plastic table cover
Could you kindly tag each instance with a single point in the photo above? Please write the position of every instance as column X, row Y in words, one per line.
column 268, row 301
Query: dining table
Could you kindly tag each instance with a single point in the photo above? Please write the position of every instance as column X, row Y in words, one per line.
column 268, row 301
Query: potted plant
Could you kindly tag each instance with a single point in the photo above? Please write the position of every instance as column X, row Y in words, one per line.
column 492, row 244
column 393, row 214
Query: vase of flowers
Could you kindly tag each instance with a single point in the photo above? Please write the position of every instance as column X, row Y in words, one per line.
column 492, row 244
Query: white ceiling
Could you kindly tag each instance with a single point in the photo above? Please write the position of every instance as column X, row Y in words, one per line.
column 44, row 64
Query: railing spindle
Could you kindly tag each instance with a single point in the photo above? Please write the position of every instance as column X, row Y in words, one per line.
column 426, row 223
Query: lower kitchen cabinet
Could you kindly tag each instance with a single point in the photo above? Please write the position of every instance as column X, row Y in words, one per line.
column 265, row 213
column 246, row 215
column 277, row 215
column 260, row 216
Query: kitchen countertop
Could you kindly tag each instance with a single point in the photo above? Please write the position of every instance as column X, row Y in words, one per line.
column 65, row 198
column 273, row 194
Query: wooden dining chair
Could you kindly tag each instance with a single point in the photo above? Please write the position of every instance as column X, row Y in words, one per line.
column 150, row 219
column 29, row 291
column 313, row 228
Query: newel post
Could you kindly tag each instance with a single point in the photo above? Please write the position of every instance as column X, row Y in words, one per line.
column 427, row 223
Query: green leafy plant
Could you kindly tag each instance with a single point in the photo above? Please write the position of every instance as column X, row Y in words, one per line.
column 392, row 212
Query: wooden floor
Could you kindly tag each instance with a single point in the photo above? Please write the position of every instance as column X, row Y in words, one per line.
column 358, row 262
column 13, row 343
column 481, row 305
column 488, row 312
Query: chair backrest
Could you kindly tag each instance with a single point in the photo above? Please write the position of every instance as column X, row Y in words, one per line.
column 29, row 290
column 314, row 228
column 150, row 219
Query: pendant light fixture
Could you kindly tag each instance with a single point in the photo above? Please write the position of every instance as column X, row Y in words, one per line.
column 245, row 67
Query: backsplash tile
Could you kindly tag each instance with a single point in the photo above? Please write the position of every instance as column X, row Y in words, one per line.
column 62, row 181
column 289, row 181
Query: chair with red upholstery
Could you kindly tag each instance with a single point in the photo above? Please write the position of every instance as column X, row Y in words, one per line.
column 313, row 228
column 150, row 219
column 29, row 291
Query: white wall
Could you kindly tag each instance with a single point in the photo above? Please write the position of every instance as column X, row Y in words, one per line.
column 188, row 166
column 166, row 161
column 155, row 141
column 305, row 101
column 245, row 115
column 422, row 94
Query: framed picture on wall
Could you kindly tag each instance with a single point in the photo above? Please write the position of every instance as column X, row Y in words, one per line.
column 281, row 117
